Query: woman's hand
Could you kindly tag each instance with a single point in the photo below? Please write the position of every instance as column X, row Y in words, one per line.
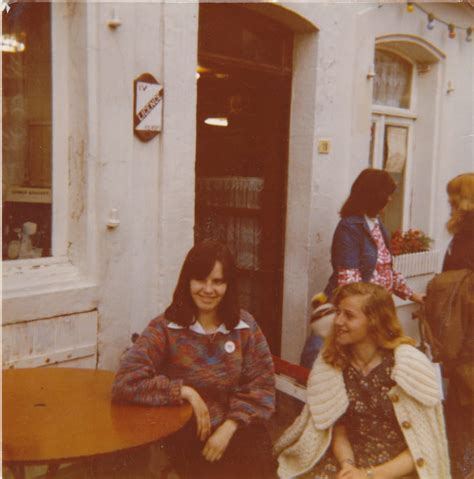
column 218, row 442
column 418, row 298
column 348, row 471
column 200, row 410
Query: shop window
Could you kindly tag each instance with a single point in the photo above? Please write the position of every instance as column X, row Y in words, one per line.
column 392, row 124
column 27, row 131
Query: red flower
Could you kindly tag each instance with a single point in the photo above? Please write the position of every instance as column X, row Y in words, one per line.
column 411, row 241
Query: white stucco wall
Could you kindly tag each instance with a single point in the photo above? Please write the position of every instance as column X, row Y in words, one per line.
column 151, row 184
column 125, row 275
column 122, row 277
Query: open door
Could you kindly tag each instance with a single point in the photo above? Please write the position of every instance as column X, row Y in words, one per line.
column 244, row 85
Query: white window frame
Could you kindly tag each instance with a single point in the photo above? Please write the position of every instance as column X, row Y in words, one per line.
column 381, row 121
column 45, row 287
column 384, row 116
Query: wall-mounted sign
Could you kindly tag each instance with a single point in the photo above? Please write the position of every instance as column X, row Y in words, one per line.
column 148, row 106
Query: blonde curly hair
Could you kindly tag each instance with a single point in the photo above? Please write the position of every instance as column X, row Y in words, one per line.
column 461, row 198
column 384, row 326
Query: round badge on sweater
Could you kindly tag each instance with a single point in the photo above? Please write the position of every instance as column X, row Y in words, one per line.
column 229, row 346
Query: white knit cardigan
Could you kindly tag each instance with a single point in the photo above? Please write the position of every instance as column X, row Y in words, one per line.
column 416, row 401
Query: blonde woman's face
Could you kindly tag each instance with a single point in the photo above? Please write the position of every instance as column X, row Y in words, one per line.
column 351, row 324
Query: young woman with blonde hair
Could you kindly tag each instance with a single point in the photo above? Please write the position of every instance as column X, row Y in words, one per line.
column 373, row 401
column 460, row 254
column 455, row 289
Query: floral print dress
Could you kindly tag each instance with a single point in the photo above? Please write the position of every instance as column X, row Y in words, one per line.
column 370, row 420
column 384, row 274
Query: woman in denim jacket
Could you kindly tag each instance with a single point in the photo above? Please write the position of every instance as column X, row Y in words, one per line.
column 361, row 246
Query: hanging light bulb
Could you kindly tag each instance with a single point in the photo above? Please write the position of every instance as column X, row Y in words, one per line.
column 452, row 31
column 430, row 25
column 469, row 34
column 410, row 7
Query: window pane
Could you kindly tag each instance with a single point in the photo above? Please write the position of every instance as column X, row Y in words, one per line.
column 392, row 82
column 27, row 135
column 395, row 155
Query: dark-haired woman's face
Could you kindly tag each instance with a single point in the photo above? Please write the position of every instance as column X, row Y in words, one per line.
column 208, row 293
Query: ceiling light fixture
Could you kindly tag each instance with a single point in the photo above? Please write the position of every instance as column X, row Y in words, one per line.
column 10, row 44
column 216, row 121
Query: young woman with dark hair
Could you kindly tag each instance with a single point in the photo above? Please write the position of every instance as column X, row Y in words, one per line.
column 370, row 193
column 198, row 264
column 360, row 248
column 207, row 351
column 361, row 244
column 373, row 407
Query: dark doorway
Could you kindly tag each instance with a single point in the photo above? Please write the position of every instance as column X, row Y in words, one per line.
column 244, row 88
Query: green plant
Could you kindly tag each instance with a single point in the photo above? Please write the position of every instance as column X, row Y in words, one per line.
column 411, row 241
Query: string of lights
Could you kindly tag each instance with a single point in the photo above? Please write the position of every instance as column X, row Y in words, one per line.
column 432, row 19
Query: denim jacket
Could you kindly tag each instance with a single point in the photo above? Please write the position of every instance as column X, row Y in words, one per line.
column 354, row 248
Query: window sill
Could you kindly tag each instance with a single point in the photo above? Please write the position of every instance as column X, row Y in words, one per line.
column 44, row 288
column 393, row 111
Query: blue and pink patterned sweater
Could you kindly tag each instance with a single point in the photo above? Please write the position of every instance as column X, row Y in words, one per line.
column 231, row 370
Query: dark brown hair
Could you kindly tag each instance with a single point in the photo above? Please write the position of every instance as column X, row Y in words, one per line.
column 198, row 264
column 369, row 193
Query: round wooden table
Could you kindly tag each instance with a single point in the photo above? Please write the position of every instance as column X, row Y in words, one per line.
column 57, row 415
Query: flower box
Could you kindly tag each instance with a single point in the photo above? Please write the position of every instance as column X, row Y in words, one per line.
column 416, row 264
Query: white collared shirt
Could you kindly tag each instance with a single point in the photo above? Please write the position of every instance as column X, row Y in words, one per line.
column 371, row 222
column 197, row 327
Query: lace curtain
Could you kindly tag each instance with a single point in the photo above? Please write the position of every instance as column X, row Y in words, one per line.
column 230, row 191
column 392, row 82
column 242, row 234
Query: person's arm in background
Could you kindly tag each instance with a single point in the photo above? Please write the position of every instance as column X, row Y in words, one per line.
column 346, row 254
column 402, row 290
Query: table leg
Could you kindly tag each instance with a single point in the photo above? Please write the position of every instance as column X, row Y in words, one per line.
column 18, row 471
column 52, row 470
